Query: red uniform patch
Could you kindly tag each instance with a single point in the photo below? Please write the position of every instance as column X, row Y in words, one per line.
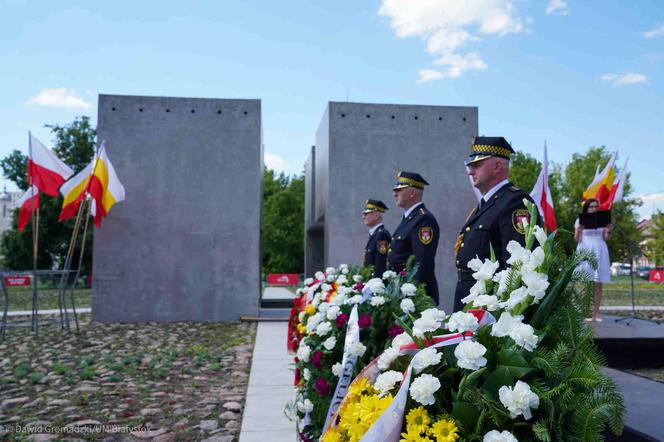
column 426, row 235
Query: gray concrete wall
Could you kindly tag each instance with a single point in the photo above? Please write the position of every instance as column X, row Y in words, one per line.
column 366, row 145
column 313, row 230
column 184, row 246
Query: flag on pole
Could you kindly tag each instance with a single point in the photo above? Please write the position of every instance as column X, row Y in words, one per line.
column 619, row 184
column 45, row 169
column 541, row 194
column 105, row 188
column 73, row 192
column 28, row 203
column 600, row 188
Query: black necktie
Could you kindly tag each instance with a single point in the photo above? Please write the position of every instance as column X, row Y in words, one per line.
column 482, row 203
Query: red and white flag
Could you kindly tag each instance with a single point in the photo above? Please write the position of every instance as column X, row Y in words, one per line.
column 541, row 194
column 28, row 203
column 619, row 184
column 45, row 169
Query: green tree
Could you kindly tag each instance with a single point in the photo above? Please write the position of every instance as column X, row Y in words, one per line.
column 74, row 144
column 283, row 223
column 654, row 247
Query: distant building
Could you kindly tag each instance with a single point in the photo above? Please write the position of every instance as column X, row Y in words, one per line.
column 645, row 229
column 8, row 203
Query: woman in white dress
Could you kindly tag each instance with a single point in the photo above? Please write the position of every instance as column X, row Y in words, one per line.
column 594, row 240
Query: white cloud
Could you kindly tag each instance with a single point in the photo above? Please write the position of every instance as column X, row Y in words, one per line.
column 651, row 203
column 558, row 7
column 623, row 79
column 59, row 97
column 448, row 25
column 655, row 32
column 277, row 163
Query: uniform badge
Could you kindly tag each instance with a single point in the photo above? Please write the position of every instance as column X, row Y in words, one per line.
column 382, row 247
column 518, row 218
column 426, row 235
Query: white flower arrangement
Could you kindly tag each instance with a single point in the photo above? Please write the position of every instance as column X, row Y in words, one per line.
column 303, row 352
column 462, row 322
column 470, row 355
column 330, row 343
column 389, row 274
column 498, row 436
column 323, row 328
column 357, row 278
column 425, row 358
column 518, row 400
column 387, row 357
column 386, row 381
column 377, row 301
column 430, row 320
column 337, row 369
column 408, row 289
column 358, row 349
column 376, row 286
column 400, row 340
column 407, row 305
column 423, row 388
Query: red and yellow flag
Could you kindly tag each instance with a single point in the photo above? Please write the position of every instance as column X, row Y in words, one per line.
column 601, row 187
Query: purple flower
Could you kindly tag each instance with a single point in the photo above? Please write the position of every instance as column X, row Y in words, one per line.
column 298, row 376
column 322, row 387
column 394, row 330
column 359, row 286
column 364, row 321
column 403, row 273
column 342, row 320
column 316, row 358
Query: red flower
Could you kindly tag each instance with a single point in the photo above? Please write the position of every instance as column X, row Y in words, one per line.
column 359, row 286
column 403, row 273
column 394, row 330
column 364, row 321
column 322, row 387
column 342, row 320
column 316, row 358
column 297, row 376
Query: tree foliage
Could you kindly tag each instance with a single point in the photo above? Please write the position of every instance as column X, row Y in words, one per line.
column 567, row 185
column 74, row 144
column 283, row 223
column 654, row 247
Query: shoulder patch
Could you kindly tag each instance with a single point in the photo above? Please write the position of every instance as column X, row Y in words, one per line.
column 425, row 234
column 382, row 247
column 518, row 218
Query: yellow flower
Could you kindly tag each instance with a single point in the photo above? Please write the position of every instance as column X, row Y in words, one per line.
column 417, row 420
column 371, row 407
column 413, row 437
column 301, row 329
column 360, row 386
column 444, row 431
column 331, row 435
column 310, row 309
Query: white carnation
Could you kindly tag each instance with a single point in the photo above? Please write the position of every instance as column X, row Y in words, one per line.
column 355, row 299
column 505, row 324
column 387, row 357
column 470, row 355
column 320, row 276
column 305, row 406
column 357, row 278
column 408, row 289
column 330, row 343
column 357, row 349
column 518, row 400
column 301, row 315
column 330, row 270
column 306, row 374
column 407, row 305
column 524, row 336
column 386, row 381
column 342, row 279
column 423, row 388
column 323, row 328
column 303, row 353
column 425, row 358
column 462, row 322
column 537, row 283
column 429, row 321
column 299, row 291
column 331, row 278
column 323, row 307
column 400, row 340
column 496, row 436
column 308, row 281
column 333, row 312
column 489, row 301
column 376, row 286
column 377, row 301
column 337, row 369
column 389, row 274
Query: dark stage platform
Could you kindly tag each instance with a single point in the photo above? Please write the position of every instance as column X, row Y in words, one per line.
column 630, row 344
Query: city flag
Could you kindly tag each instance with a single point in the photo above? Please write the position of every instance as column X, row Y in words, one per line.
column 619, row 184
column 105, row 188
column 600, row 188
column 541, row 194
column 28, row 203
column 73, row 192
column 45, row 169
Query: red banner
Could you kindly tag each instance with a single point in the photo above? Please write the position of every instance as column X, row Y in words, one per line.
column 17, row 281
column 657, row 276
column 282, row 279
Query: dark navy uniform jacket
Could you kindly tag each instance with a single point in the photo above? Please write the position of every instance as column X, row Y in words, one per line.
column 499, row 221
column 375, row 252
column 417, row 235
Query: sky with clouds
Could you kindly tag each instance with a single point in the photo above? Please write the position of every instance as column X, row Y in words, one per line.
column 573, row 73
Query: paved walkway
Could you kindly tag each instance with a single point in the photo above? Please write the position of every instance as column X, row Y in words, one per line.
column 270, row 388
column 277, row 293
column 46, row 312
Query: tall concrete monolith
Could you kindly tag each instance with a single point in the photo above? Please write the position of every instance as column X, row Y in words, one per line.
column 185, row 244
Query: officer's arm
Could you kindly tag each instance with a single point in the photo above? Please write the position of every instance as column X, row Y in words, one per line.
column 380, row 261
column 424, row 239
column 510, row 227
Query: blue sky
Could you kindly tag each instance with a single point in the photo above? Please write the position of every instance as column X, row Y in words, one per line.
column 573, row 73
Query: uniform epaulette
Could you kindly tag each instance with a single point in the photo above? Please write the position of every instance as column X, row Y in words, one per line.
column 514, row 189
column 422, row 211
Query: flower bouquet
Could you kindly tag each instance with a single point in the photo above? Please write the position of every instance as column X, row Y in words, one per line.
column 517, row 364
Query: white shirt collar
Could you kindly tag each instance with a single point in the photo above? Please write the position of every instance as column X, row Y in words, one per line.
column 487, row 196
column 374, row 228
column 408, row 211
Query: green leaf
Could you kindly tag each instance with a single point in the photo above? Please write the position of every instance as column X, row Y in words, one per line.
column 466, row 414
column 514, row 362
column 501, row 376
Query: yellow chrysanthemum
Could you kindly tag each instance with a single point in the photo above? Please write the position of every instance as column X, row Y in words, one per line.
column 371, row 407
column 359, row 387
column 413, row 437
column 310, row 309
column 417, row 420
column 301, row 329
column 444, row 431
column 332, row 435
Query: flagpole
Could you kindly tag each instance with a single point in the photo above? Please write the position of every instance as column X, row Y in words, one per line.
column 80, row 262
column 35, row 243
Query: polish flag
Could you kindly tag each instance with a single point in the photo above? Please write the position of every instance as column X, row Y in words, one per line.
column 618, row 185
column 28, row 203
column 45, row 169
column 541, row 194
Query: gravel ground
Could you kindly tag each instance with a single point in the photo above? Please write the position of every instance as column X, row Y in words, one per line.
column 125, row 382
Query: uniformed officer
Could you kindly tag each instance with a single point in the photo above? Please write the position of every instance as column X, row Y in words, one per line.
column 497, row 219
column 375, row 252
column 417, row 234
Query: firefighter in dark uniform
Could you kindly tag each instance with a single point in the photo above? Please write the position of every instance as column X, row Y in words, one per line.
column 375, row 252
column 417, row 234
column 497, row 219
